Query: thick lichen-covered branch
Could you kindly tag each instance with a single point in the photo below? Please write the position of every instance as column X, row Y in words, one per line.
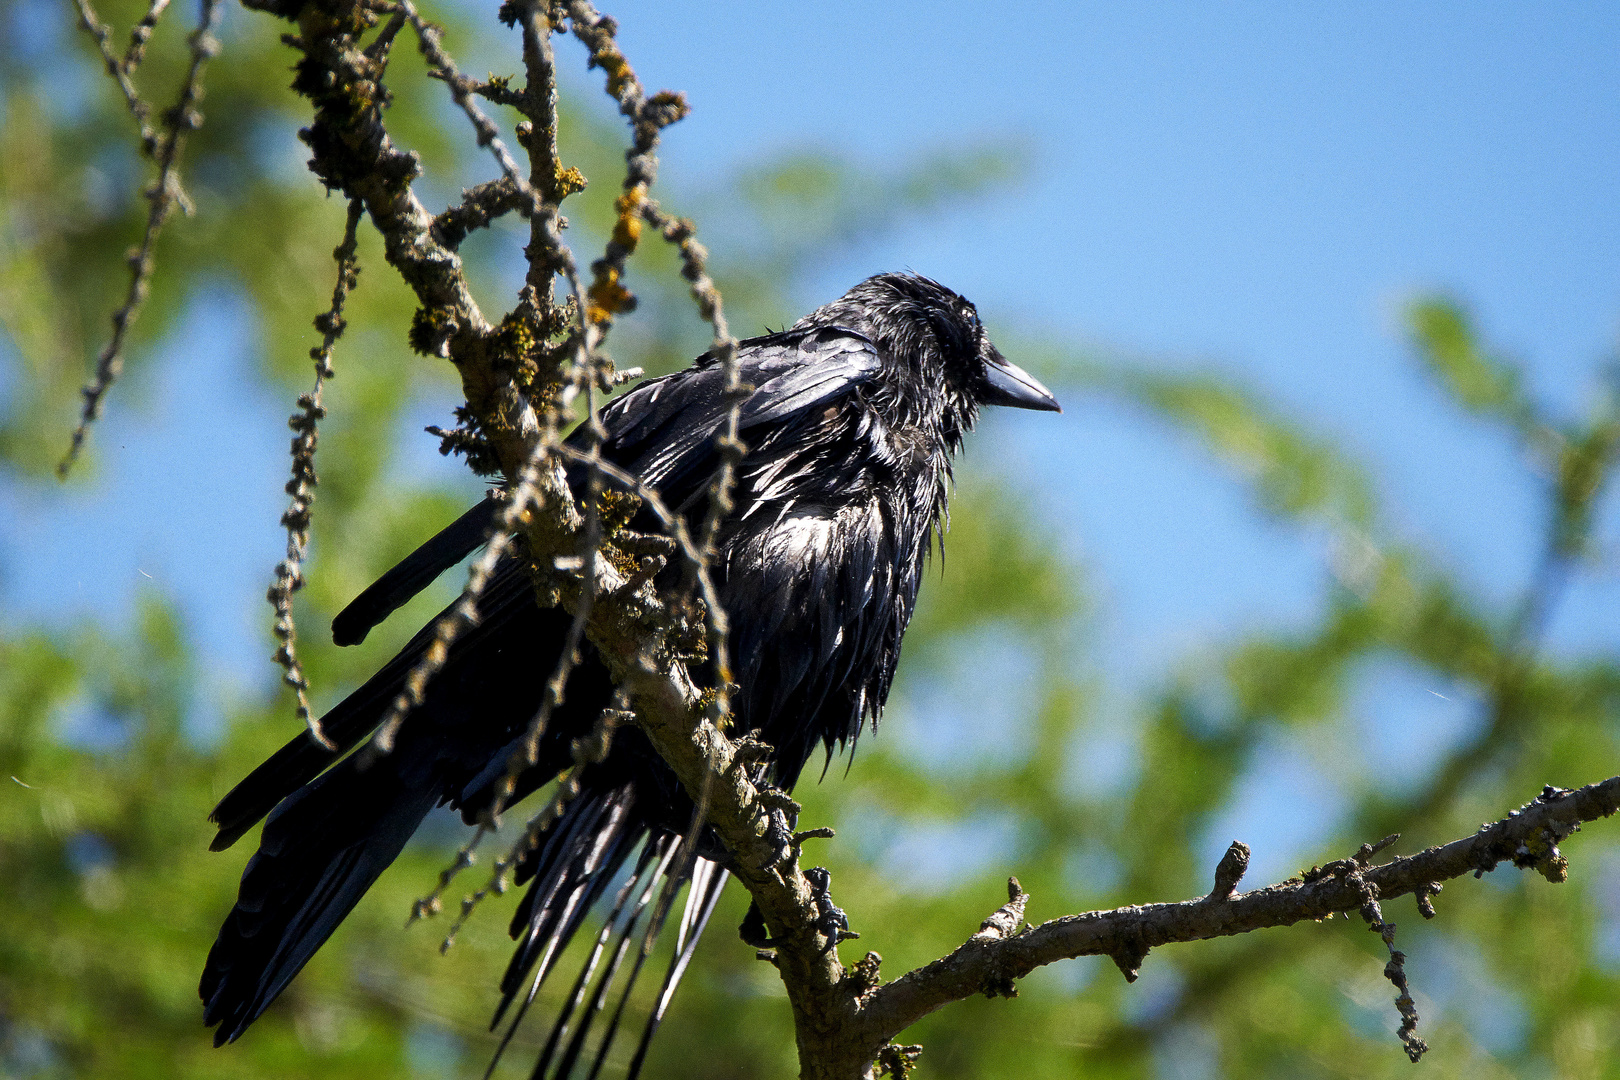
column 353, row 153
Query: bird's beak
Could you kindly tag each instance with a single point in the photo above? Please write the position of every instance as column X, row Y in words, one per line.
column 1008, row 384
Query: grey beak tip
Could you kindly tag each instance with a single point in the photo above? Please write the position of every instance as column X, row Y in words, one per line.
column 1010, row 385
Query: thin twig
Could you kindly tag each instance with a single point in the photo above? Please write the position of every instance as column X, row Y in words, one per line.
column 648, row 117
column 539, row 103
column 462, row 90
column 164, row 194
column 524, row 488
column 730, row 450
column 608, row 297
column 478, row 208
column 120, row 70
column 1350, row 871
column 289, row 572
column 585, row 374
column 527, row 754
column 140, row 35
column 383, row 44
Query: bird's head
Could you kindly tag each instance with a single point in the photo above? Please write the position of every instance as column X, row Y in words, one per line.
column 935, row 345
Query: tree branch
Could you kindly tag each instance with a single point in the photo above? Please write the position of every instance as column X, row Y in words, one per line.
column 290, row 571
column 1527, row 838
column 165, row 147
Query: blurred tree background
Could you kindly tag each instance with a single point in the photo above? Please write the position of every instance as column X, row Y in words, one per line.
column 116, row 740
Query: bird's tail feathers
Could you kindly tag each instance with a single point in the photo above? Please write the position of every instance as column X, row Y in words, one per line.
column 414, row 573
column 703, row 893
column 626, row 926
column 584, row 854
column 621, row 920
column 322, row 849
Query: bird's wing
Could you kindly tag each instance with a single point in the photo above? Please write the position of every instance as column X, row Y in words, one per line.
column 414, row 573
column 662, row 431
column 788, row 372
column 508, row 595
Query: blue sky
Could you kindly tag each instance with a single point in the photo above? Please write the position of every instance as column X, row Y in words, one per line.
column 1253, row 189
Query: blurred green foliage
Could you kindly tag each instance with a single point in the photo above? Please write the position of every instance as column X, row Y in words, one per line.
column 111, row 898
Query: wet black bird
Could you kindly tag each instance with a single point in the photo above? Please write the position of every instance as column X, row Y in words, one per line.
column 857, row 410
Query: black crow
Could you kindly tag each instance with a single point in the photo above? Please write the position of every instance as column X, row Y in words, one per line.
column 856, row 412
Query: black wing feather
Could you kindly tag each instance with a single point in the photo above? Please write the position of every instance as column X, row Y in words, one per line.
column 508, row 596
column 664, row 430
column 414, row 573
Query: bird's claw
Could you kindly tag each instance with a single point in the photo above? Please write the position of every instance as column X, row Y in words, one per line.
column 781, row 815
column 830, row 918
column 779, row 835
column 750, row 750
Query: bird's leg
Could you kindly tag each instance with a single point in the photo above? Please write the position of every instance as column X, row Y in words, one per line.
column 830, row 918
column 781, row 812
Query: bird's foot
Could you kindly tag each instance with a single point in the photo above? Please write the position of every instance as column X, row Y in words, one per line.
column 751, row 750
column 781, row 815
column 830, row 918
